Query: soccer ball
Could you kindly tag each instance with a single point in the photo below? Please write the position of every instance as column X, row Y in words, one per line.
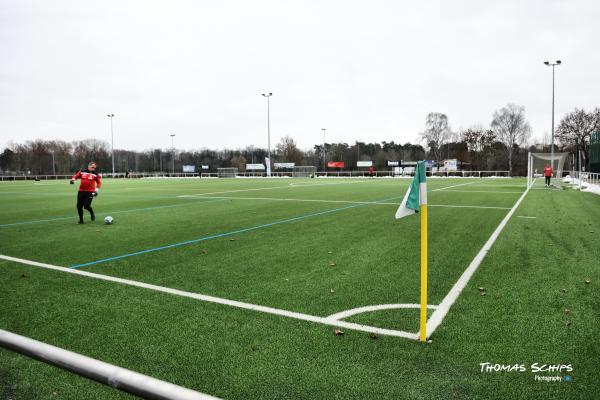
column 108, row 220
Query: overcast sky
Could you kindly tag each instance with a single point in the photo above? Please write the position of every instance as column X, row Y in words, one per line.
column 365, row 70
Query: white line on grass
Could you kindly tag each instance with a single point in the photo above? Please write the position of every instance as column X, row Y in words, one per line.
column 451, row 186
column 378, row 307
column 483, row 191
column 438, row 315
column 334, row 201
column 524, row 216
column 218, row 300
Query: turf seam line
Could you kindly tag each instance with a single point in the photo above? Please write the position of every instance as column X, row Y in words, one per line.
column 218, row 300
column 438, row 315
column 219, row 235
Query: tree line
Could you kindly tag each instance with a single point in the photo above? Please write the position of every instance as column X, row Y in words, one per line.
column 500, row 146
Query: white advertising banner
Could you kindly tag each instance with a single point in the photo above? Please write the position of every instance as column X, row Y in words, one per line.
column 255, row 167
column 364, row 164
column 284, row 165
column 205, row 167
column 189, row 168
column 451, row 165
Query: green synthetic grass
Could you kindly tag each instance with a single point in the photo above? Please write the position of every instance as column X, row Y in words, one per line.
column 234, row 353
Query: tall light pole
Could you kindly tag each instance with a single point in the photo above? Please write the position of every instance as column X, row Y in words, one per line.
column 554, row 64
column 268, row 96
column 324, row 166
column 112, row 142
column 173, row 152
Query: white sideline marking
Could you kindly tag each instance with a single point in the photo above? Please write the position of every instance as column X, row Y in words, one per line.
column 524, row 216
column 378, row 307
column 333, row 201
column 219, row 300
column 483, row 191
column 438, row 315
column 451, row 186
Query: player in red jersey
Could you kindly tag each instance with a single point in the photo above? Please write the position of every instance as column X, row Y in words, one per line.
column 548, row 171
column 87, row 189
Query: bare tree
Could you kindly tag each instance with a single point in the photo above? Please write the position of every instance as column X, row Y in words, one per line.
column 288, row 151
column 577, row 127
column 436, row 133
column 511, row 129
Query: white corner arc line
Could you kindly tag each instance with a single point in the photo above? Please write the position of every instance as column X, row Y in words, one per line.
column 222, row 301
column 377, row 307
column 438, row 315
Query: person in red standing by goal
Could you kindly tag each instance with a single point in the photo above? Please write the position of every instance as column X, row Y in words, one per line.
column 548, row 171
column 371, row 171
column 87, row 189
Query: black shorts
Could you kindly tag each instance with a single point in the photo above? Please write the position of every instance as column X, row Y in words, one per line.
column 84, row 199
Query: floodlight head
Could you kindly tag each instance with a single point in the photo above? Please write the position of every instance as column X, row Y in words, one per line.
column 558, row 62
column 546, row 62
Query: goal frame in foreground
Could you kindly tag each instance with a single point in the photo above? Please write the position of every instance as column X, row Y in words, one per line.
column 556, row 160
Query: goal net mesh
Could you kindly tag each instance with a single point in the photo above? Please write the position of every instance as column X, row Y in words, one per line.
column 304, row 171
column 537, row 163
column 227, row 172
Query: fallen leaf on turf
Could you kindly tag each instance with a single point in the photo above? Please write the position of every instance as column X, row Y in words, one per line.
column 567, row 311
column 24, row 276
column 373, row 336
column 232, row 240
column 330, row 252
column 568, row 323
column 332, row 291
column 563, row 290
column 482, row 289
column 587, row 281
column 332, row 264
column 482, row 293
column 338, row 332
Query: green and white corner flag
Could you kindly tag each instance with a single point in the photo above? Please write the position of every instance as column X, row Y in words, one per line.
column 415, row 195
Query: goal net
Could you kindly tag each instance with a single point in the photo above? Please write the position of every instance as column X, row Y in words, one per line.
column 227, row 172
column 304, row 171
column 536, row 164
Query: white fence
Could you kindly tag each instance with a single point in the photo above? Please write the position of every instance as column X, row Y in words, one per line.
column 337, row 174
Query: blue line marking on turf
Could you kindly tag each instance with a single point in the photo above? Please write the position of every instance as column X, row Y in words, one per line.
column 108, row 213
column 202, row 239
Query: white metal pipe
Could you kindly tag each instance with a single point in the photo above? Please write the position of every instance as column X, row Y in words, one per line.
column 108, row 374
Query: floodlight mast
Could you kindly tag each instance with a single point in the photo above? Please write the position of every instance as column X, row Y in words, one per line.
column 112, row 142
column 173, row 152
column 552, row 64
column 324, row 163
column 268, row 96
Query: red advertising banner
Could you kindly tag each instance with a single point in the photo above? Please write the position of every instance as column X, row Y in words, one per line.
column 336, row 164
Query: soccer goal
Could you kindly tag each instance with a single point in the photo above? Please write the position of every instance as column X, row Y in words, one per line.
column 536, row 162
column 304, row 171
column 227, row 172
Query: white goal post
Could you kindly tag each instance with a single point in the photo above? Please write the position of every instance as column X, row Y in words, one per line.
column 536, row 162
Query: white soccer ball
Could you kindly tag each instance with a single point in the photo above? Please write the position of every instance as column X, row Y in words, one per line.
column 108, row 220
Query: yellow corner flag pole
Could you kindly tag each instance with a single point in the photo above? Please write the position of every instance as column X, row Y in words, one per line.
column 423, row 201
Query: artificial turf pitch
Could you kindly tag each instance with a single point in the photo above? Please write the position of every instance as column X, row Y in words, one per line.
column 313, row 246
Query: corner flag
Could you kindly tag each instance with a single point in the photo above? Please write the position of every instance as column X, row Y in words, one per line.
column 415, row 201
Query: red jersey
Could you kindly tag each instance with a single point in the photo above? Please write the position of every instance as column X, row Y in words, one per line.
column 548, row 171
column 89, row 180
